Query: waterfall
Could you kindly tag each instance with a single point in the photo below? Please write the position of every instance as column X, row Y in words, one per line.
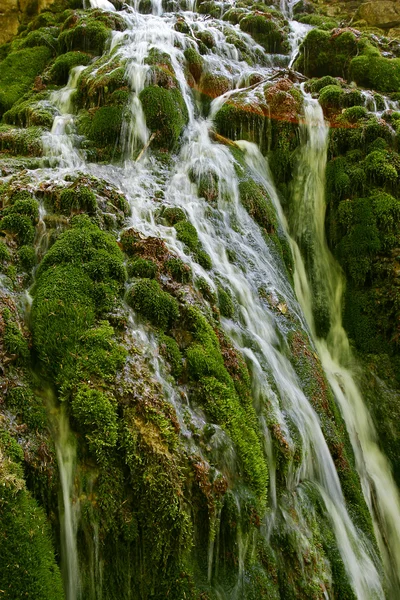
column 65, row 444
column 308, row 220
column 261, row 293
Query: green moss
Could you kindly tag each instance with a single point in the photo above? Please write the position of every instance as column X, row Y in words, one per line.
column 236, row 120
column 95, row 413
column 322, row 53
column 13, row 340
column 195, row 63
column 379, row 166
column 27, row 560
column 77, row 198
column 20, row 226
column 28, row 407
column 266, row 32
column 88, row 35
column 204, row 259
column 206, row 366
column 25, row 142
column 166, row 114
column 44, row 36
column 63, row 64
column 31, row 111
column 186, row 233
column 169, row 349
column 159, row 307
column 179, row 270
column 331, row 96
column 4, row 252
column 141, row 267
column 173, row 214
column 355, row 113
column 320, row 21
column 376, row 72
column 316, row 85
column 103, row 125
column 255, row 200
column 27, row 257
column 81, row 276
column 17, row 73
column 225, row 303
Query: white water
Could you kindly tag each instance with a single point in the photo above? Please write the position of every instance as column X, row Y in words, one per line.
column 65, row 443
column 378, row 485
column 58, row 145
column 257, row 329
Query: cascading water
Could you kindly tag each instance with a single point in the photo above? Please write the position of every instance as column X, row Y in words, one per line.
column 307, row 226
column 258, row 328
column 65, row 443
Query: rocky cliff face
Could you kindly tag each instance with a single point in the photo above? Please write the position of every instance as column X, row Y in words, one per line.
column 15, row 12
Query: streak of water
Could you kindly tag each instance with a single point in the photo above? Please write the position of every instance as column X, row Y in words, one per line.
column 65, row 443
column 377, row 481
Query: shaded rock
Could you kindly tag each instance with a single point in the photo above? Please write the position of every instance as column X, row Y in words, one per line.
column 380, row 13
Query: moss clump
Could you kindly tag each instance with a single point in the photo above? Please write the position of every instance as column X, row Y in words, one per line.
column 27, row 257
column 13, row 340
column 255, row 200
column 103, row 125
column 63, row 64
column 141, row 267
column 17, row 73
column 28, row 407
column 266, row 32
column 173, row 214
column 377, row 72
column 236, row 120
column 4, row 252
column 25, row 142
column 76, row 199
column 195, row 63
column 166, row 114
column 324, row 54
column 25, row 538
column 225, row 303
column 32, row 110
column 79, row 278
column 179, row 270
column 149, row 300
column 169, row 349
column 96, row 414
column 187, row 234
column 88, row 32
column 19, row 219
column 206, row 366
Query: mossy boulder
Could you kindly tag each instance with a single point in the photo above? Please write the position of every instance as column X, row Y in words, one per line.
column 63, row 64
column 324, row 53
column 159, row 307
column 267, row 31
column 26, row 544
column 166, row 114
column 18, row 72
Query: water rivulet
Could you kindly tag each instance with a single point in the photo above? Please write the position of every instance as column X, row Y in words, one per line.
column 181, row 409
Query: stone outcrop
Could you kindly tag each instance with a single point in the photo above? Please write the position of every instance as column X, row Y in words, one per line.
column 380, row 13
column 13, row 12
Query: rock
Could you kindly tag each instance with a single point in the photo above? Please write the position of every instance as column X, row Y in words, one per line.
column 381, row 13
column 12, row 13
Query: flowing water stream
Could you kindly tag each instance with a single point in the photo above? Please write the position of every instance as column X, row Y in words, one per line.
column 378, row 485
column 257, row 329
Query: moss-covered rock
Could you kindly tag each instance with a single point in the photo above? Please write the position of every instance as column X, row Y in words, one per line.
column 25, row 538
column 17, row 73
column 166, row 114
column 267, row 31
